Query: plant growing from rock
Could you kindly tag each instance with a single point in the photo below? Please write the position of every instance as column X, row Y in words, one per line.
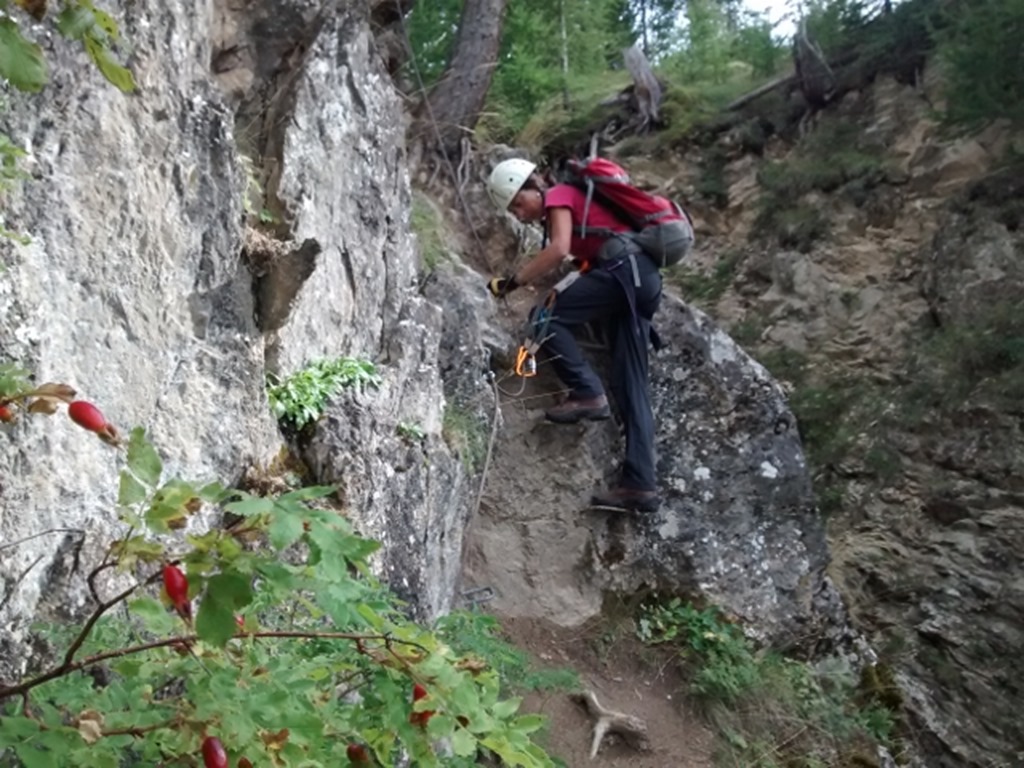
column 300, row 398
column 265, row 642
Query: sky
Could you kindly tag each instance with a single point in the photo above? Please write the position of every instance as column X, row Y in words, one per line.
column 775, row 11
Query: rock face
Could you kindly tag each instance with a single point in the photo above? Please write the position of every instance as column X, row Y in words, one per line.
column 142, row 289
column 387, row 449
column 131, row 291
column 903, row 323
column 738, row 526
column 941, row 559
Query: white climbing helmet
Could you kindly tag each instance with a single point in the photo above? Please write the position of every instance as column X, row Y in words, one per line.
column 507, row 179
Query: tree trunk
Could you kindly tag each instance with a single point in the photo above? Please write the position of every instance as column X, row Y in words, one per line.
column 646, row 87
column 457, row 100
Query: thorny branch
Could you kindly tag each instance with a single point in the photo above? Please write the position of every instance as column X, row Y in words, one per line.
column 68, row 666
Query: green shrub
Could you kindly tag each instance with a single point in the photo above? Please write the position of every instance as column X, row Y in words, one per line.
column 977, row 356
column 769, row 711
column 269, row 635
column 797, row 226
column 300, row 398
column 983, row 59
column 707, row 289
column 477, row 635
column 816, row 165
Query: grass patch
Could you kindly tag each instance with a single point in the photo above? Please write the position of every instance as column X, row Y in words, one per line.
column 981, row 357
column 711, row 185
column 429, row 226
column 466, row 435
column 816, row 166
column 478, row 635
column 770, row 711
column 704, row 289
column 552, row 123
column 840, row 417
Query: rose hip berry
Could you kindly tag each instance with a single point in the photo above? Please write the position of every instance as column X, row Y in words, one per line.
column 214, row 755
column 6, row 414
column 357, row 753
column 87, row 416
column 420, row 718
column 176, row 586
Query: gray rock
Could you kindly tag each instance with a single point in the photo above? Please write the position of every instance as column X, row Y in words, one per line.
column 131, row 291
column 738, row 526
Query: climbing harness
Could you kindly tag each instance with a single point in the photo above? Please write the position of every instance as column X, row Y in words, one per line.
column 526, row 356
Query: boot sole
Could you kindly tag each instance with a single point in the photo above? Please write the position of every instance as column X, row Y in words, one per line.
column 596, row 414
column 639, row 510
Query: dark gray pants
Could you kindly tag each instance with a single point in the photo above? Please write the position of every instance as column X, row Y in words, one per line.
column 608, row 295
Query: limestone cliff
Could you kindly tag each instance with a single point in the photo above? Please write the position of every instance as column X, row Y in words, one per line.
column 142, row 288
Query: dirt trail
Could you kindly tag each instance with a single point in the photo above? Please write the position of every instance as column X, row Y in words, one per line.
column 626, row 676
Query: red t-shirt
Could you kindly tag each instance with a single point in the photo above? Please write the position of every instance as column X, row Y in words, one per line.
column 567, row 196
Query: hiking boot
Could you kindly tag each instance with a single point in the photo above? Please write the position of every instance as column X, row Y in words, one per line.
column 628, row 499
column 572, row 411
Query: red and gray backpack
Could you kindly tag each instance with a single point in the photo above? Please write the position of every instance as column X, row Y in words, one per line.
column 661, row 228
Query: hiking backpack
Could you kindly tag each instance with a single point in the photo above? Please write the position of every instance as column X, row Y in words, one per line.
column 661, row 228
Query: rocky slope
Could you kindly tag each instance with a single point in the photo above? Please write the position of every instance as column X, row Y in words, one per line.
column 875, row 267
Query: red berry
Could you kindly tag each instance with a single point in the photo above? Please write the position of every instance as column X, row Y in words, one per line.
column 421, row 718
column 357, row 753
column 214, row 755
column 87, row 416
column 6, row 414
column 418, row 692
column 176, row 586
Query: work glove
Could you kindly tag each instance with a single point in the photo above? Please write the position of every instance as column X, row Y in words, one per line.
column 502, row 286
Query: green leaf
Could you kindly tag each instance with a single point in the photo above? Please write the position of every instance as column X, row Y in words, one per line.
column 253, row 505
column 214, row 493
column 464, row 743
column 106, row 22
column 309, row 492
column 143, row 460
column 225, row 593
column 285, row 529
column 215, row 622
column 74, row 21
column 130, row 491
column 154, row 615
column 530, row 723
column 170, row 504
column 31, row 757
column 232, row 589
column 15, row 728
column 116, row 74
column 507, row 708
column 21, row 61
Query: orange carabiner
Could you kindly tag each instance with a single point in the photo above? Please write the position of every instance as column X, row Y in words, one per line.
column 526, row 363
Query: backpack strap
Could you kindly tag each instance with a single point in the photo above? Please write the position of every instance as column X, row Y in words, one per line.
column 586, row 207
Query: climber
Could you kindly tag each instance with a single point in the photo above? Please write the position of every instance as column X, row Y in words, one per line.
column 615, row 283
